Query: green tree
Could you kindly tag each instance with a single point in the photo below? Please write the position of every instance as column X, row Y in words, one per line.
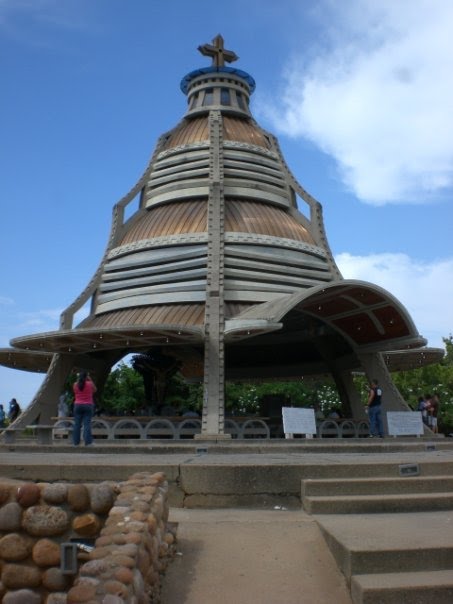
column 429, row 379
column 124, row 391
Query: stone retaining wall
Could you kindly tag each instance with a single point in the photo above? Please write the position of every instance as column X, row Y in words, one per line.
column 126, row 523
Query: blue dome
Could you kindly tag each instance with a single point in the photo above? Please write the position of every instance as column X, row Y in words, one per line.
column 185, row 82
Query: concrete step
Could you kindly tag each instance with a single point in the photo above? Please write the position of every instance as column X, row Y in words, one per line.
column 369, row 504
column 426, row 587
column 385, row 543
column 376, row 486
column 380, row 467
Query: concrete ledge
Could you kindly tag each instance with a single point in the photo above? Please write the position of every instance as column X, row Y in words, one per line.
column 403, row 587
column 378, row 504
column 376, row 486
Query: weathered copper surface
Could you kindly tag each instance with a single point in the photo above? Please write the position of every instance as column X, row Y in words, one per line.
column 170, row 219
column 263, row 219
column 178, row 314
column 188, row 131
column 196, row 130
column 245, row 131
column 240, row 217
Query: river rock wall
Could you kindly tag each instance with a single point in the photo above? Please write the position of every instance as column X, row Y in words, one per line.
column 123, row 525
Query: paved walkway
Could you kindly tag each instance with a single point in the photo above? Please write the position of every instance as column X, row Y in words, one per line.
column 245, row 556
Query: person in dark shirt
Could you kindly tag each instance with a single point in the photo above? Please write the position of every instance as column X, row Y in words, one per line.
column 375, row 410
column 14, row 410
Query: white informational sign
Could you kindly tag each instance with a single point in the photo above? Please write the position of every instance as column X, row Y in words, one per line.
column 405, row 423
column 298, row 421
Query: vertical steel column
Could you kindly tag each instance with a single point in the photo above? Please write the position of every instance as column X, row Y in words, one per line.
column 214, row 359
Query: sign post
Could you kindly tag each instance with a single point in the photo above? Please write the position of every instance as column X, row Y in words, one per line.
column 405, row 423
column 298, row 421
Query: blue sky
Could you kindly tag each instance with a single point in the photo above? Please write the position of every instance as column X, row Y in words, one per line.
column 360, row 95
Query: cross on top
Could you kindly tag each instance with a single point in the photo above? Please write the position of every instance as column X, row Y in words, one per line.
column 217, row 52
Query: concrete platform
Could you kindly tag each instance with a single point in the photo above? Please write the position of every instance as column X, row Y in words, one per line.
column 258, row 474
column 254, row 546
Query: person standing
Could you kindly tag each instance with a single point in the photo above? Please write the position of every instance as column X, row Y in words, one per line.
column 2, row 416
column 375, row 410
column 434, row 412
column 423, row 404
column 14, row 410
column 84, row 390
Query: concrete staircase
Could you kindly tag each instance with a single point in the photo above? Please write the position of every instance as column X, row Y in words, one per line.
column 377, row 495
column 392, row 536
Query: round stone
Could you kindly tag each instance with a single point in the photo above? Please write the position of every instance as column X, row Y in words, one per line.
column 46, row 553
column 17, row 576
column 94, row 568
column 124, row 575
column 116, row 588
column 28, row 494
column 15, row 547
column 102, row 498
column 120, row 560
column 101, row 552
column 111, row 599
column 82, row 592
column 54, row 493
column 57, row 598
column 78, row 498
column 104, row 540
column 22, row 596
column 128, row 549
column 54, row 580
column 43, row 520
column 10, row 517
column 87, row 525
column 5, row 492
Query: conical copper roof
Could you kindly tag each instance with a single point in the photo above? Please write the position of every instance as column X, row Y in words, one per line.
column 152, row 285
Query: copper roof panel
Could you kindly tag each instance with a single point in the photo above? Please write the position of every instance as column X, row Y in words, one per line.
column 196, row 130
column 263, row 219
column 188, row 131
column 176, row 314
column 169, row 219
column 169, row 314
column 244, row 131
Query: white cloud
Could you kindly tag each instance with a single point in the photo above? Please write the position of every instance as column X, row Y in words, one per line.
column 377, row 96
column 425, row 289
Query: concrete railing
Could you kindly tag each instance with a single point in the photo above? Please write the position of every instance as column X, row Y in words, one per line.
column 111, row 429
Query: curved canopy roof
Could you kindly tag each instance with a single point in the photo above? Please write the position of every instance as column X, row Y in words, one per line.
column 365, row 316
